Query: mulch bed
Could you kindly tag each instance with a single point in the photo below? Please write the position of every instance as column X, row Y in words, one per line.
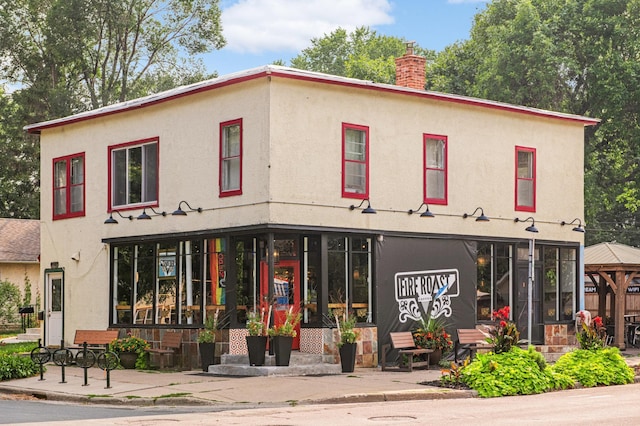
column 439, row 384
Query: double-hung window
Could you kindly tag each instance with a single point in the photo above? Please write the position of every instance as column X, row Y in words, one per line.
column 435, row 169
column 525, row 179
column 133, row 169
column 231, row 158
column 355, row 161
column 68, row 186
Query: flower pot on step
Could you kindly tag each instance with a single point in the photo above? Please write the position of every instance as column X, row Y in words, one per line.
column 348, row 357
column 257, row 346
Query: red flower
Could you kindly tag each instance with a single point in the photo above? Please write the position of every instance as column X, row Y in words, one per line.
column 597, row 321
column 503, row 323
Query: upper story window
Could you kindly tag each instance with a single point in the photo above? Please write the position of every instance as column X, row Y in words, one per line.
column 68, row 186
column 231, row 158
column 355, row 161
column 133, row 169
column 435, row 169
column 525, row 179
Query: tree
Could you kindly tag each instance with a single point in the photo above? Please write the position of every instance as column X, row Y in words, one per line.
column 67, row 56
column 575, row 56
column 362, row 54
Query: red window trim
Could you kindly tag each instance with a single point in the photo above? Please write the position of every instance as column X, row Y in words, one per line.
column 365, row 129
column 533, row 179
column 232, row 192
column 112, row 148
column 441, row 201
column 68, row 185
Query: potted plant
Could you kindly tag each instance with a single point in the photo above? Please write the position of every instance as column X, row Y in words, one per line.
column 131, row 351
column 206, row 341
column 431, row 334
column 282, row 337
column 347, row 336
column 257, row 339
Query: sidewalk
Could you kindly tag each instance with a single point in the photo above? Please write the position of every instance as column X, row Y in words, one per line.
column 133, row 387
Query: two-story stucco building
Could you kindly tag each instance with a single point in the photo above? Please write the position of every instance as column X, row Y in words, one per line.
column 280, row 187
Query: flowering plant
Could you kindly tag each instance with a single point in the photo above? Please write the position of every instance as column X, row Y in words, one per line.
column 208, row 335
column 593, row 334
column 288, row 327
column 255, row 323
column 431, row 334
column 346, row 324
column 129, row 344
column 505, row 333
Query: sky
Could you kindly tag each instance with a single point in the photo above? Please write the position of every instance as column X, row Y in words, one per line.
column 259, row 32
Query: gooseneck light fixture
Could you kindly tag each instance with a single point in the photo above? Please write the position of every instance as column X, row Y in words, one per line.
column 481, row 218
column 145, row 216
column 180, row 212
column 366, row 210
column 532, row 227
column 110, row 220
column 426, row 213
column 578, row 228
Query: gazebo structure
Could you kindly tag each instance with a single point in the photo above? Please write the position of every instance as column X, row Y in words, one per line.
column 612, row 266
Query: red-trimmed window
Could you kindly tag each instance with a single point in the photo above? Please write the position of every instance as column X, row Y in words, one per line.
column 435, row 169
column 68, row 186
column 133, row 174
column 525, row 179
column 231, row 158
column 355, row 161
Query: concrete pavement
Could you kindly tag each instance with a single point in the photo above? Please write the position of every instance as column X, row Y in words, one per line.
column 135, row 387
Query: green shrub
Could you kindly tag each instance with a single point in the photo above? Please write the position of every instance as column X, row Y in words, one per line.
column 10, row 299
column 595, row 367
column 16, row 367
column 516, row 372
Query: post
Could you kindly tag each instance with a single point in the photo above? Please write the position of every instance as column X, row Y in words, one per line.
column 532, row 260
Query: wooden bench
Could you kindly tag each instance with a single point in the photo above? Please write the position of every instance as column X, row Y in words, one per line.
column 406, row 346
column 471, row 339
column 95, row 339
column 170, row 342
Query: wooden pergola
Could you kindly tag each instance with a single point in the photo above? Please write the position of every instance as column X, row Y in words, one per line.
column 612, row 267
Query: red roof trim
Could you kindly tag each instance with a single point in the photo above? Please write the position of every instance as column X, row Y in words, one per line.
column 294, row 74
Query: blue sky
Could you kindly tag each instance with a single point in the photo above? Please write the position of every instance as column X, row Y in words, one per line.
column 259, row 32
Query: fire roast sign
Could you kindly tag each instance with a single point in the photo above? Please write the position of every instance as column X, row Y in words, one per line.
column 415, row 291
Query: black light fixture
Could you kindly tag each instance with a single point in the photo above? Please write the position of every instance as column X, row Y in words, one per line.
column 366, row 210
column 426, row 213
column 481, row 218
column 532, row 227
column 145, row 216
column 578, row 228
column 110, row 220
column 180, row 212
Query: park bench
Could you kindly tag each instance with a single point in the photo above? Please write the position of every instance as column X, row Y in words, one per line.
column 470, row 339
column 406, row 346
column 95, row 339
column 169, row 343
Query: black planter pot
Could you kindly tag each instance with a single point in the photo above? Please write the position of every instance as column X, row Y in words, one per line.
column 207, row 352
column 128, row 360
column 348, row 357
column 282, row 349
column 257, row 346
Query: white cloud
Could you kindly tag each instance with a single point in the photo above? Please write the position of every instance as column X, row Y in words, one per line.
column 274, row 25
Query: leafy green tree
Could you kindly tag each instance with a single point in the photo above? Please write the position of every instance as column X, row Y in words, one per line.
column 361, row 54
column 575, row 56
column 9, row 302
column 67, row 56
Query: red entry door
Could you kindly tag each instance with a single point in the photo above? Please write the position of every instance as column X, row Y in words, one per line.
column 285, row 291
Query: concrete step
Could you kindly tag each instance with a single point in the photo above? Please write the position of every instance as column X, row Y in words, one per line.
column 31, row 335
column 301, row 364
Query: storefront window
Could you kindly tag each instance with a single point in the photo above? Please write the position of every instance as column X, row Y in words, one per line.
column 311, row 287
column 559, row 283
column 248, row 292
column 350, row 284
column 495, row 274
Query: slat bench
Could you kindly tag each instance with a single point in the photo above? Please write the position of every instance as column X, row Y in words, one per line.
column 404, row 343
column 95, row 339
column 170, row 342
column 471, row 339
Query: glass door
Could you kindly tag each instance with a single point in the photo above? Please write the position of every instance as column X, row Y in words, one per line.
column 283, row 291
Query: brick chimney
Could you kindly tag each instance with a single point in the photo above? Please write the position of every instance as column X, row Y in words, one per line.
column 410, row 69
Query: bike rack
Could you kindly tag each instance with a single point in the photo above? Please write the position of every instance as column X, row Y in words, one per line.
column 40, row 356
